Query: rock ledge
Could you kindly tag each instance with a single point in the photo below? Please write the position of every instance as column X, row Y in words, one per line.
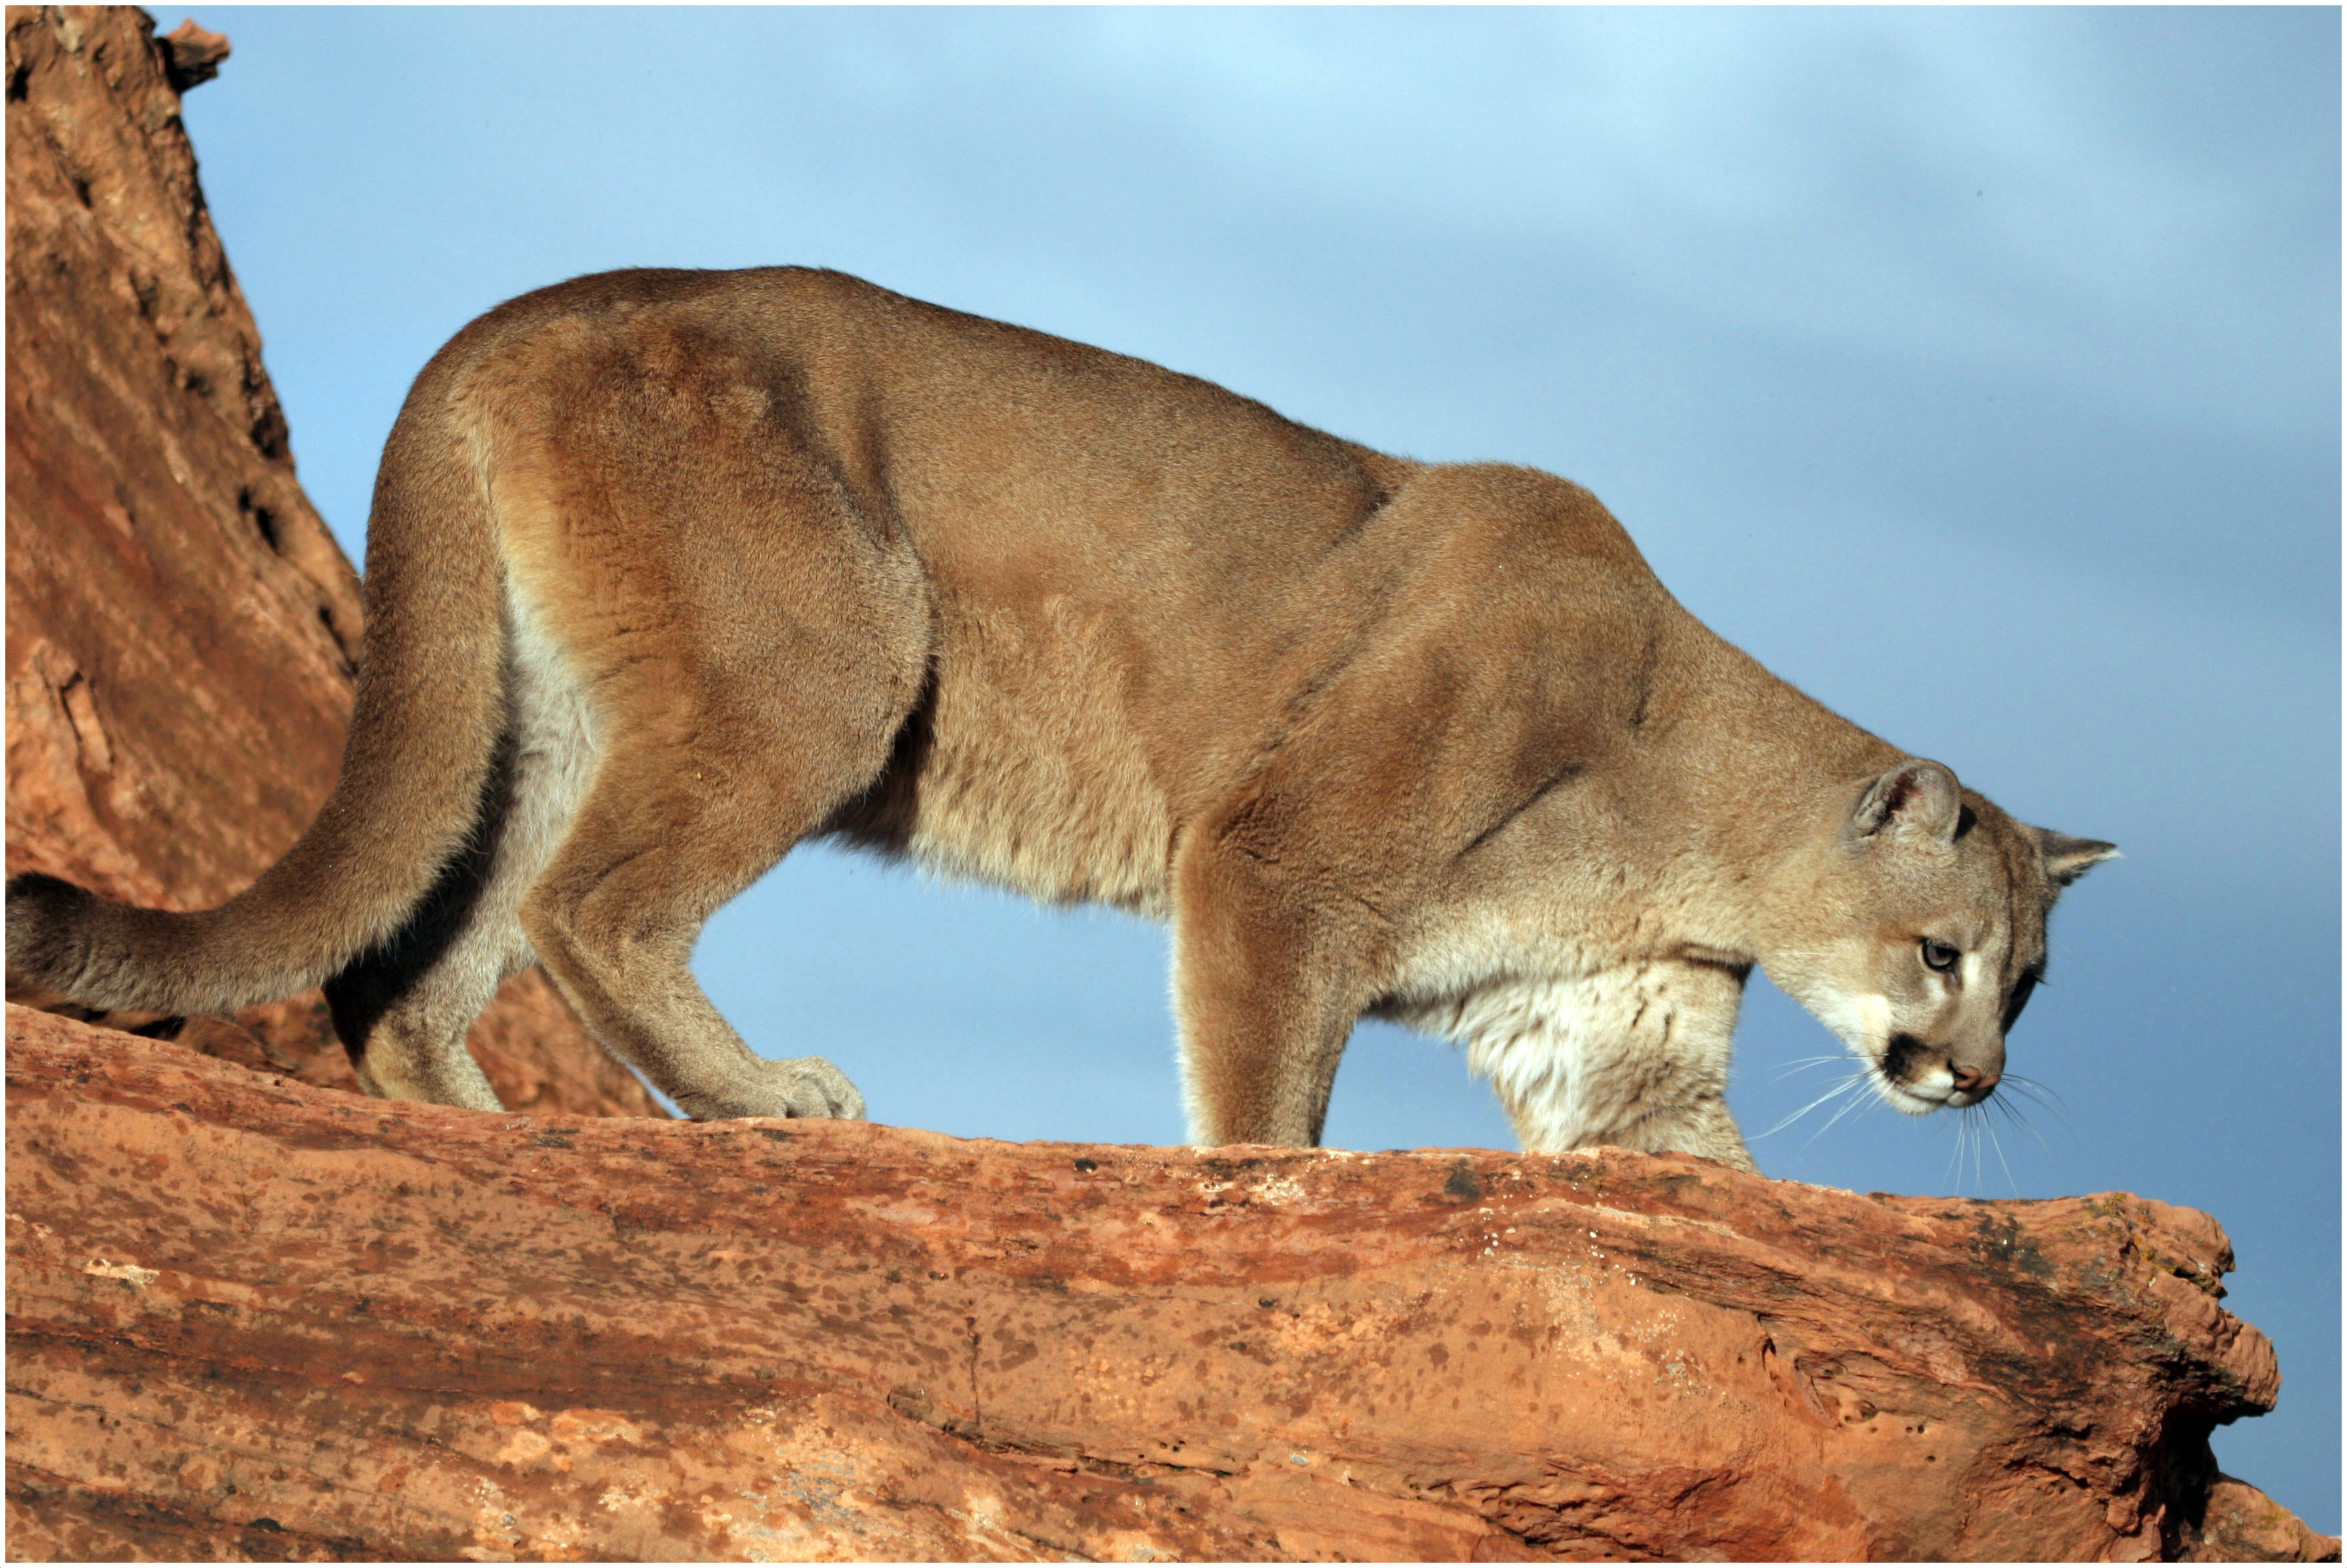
column 250, row 1317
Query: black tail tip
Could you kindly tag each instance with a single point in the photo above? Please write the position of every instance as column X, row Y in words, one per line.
column 41, row 910
column 35, row 894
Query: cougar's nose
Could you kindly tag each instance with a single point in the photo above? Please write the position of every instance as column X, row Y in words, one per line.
column 1973, row 1081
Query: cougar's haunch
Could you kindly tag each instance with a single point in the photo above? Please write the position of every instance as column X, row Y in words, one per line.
column 668, row 571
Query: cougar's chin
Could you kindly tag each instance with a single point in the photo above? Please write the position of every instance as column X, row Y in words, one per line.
column 1899, row 1097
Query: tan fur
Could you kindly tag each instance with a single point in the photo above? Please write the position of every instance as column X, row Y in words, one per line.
column 669, row 571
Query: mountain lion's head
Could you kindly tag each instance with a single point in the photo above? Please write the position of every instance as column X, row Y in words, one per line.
column 1915, row 929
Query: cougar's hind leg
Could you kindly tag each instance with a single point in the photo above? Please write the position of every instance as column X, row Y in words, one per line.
column 403, row 1010
column 749, row 643
column 693, row 803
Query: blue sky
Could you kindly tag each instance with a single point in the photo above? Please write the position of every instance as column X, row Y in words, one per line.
column 1977, row 370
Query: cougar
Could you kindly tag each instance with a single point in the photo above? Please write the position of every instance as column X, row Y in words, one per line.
column 668, row 571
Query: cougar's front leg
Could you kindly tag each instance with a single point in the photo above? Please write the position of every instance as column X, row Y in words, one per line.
column 1704, row 1126
column 1268, row 961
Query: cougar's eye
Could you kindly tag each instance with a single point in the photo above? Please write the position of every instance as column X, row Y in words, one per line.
column 1940, row 956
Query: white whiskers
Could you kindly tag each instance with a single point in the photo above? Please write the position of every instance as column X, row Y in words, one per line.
column 1977, row 1136
column 1881, row 1097
column 1801, row 1064
column 1842, row 1088
column 1971, row 1121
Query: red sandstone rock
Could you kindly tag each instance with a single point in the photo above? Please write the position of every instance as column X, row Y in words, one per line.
column 254, row 1318
column 2241, row 1524
column 192, row 56
column 180, row 624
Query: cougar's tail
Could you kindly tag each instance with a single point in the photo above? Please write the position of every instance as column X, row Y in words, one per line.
column 429, row 709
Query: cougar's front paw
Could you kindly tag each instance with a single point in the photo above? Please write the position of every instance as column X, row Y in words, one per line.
column 807, row 1086
column 810, row 1086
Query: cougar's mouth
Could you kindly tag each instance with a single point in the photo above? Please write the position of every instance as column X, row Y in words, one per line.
column 1903, row 1074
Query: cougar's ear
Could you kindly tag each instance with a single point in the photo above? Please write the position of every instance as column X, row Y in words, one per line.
column 1914, row 801
column 2068, row 858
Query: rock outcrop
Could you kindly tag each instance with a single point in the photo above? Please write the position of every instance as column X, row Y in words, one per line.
column 250, row 1317
column 251, row 1314
column 181, row 627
